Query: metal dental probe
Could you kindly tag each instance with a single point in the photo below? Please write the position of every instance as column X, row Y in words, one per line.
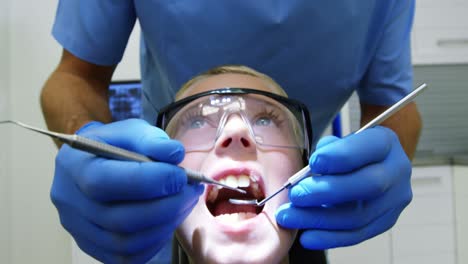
column 305, row 172
column 113, row 152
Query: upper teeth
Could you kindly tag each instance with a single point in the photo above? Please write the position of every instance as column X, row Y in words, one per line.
column 236, row 181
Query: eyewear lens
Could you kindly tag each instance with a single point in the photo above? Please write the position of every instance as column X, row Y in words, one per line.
column 271, row 124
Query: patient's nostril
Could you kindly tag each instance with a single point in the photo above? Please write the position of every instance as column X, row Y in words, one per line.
column 245, row 142
column 227, row 142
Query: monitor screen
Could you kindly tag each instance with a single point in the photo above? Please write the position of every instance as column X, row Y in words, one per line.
column 125, row 99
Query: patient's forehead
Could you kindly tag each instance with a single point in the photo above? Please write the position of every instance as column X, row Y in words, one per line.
column 229, row 80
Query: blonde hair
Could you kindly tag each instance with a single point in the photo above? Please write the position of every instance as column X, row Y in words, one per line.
column 237, row 69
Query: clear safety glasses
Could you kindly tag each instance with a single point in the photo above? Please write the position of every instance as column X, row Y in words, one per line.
column 273, row 121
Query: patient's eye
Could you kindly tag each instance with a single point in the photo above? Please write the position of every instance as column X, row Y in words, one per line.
column 197, row 123
column 192, row 119
column 267, row 117
column 263, row 121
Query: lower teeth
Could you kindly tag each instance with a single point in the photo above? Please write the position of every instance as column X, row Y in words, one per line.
column 236, row 217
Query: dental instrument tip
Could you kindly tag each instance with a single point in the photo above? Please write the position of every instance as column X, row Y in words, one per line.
column 243, row 202
column 229, row 187
column 262, row 202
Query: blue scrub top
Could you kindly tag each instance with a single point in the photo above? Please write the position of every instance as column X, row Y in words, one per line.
column 318, row 51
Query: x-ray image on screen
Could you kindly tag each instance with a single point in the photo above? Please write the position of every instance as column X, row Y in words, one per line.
column 125, row 99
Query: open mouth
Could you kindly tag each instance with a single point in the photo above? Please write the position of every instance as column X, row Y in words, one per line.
column 217, row 199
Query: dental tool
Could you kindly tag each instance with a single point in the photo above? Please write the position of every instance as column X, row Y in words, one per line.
column 105, row 150
column 305, row 172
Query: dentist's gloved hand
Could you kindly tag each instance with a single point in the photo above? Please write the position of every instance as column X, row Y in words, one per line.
column 365, row 185
column 123, row 211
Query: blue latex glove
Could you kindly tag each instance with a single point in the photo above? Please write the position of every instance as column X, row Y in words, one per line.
column 365, row 185
column 123, row 211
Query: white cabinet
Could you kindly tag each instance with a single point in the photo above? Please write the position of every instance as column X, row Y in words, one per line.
column 425, row 231
column 460, row 174
column 440, row 32
column 375, row 250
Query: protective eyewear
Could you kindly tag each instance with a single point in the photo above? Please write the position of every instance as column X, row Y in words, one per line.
column 273, row 121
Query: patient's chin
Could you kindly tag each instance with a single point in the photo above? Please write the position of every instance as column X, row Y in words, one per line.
column 258, row 253
column 269, row 245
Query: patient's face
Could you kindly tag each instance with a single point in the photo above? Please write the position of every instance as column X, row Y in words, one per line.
column 217, row 231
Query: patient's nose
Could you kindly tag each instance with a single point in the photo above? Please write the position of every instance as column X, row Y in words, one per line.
column 236, row 136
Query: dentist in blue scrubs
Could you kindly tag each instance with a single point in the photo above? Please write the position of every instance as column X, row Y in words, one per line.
column 319, row 51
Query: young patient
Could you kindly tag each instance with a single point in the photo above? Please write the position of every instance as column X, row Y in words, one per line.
column 237, row 127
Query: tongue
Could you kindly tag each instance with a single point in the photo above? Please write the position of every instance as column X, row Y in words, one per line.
column 225, row 207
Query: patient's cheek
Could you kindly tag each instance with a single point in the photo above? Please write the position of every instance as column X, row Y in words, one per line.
column 193, row 160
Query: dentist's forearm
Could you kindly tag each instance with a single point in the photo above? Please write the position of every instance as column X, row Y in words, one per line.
column 75, row 94
column 406, row 123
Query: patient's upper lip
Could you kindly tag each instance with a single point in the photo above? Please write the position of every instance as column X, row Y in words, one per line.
column 241, row 170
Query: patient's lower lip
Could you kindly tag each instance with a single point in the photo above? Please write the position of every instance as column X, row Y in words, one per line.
column 235, row 217
column 240, row 228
